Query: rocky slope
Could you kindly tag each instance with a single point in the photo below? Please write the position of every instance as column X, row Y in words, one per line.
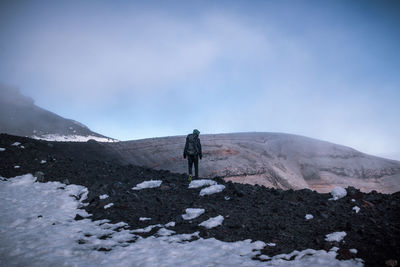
column 271, row 159
column 20, row 116
column 250, row 212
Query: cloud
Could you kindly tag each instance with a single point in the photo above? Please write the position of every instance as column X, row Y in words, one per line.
column 143, row 54
column 237, row 67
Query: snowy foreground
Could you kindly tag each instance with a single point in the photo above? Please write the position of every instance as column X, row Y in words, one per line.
column 37, row 228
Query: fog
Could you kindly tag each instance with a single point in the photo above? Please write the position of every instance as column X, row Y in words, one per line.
column 325, row 70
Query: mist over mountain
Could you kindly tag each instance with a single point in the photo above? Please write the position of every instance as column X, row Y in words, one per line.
column 272, row 159
column 20, row 116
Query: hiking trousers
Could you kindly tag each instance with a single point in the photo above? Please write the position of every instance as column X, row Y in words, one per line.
column 193, row 159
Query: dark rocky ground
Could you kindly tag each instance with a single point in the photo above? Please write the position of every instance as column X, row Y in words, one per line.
column 252, row 212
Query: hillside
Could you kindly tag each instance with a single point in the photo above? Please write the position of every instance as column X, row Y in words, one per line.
column 20, row 116
column 156, row 225
column 272, row 159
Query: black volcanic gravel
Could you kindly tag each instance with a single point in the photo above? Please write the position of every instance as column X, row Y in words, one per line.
column 252, row 212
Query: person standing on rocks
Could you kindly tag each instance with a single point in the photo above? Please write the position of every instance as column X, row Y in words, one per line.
column 193, row 152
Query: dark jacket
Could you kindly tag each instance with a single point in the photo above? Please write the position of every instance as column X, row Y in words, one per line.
column 192, row 146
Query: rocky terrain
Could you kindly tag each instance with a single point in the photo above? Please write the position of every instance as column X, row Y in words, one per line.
column 20, row 116
column 272, row 159
column 250, row 212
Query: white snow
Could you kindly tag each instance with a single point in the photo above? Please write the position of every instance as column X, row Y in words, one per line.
column 147, row 229
column 72, row 138
column 150, row 227
column 144, row 219
column 309, row 216
column 108, row 205
column 2, row 149
column 335, row 236
column 338, row 193
column 353, row 250
column 201, row 183
column 103, row 196
column 22, row 147
column 334, row 249
column 165, row 232
column 356, row 209
column 170, row 224
column 271, row 244
column 309, row 257
column 212, row 222
column 17, row 167
column 16, row 144
column 42, row 161
column 37, row 228
column 147, row 184
column 192, row 213
column 212, row 189
column 353, row 200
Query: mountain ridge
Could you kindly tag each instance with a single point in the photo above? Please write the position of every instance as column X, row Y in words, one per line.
column 20, row 116
column 277, row 160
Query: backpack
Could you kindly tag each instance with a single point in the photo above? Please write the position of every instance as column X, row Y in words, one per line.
column 191, row 145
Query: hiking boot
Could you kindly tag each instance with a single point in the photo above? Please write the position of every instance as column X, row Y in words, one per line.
column 190, row 178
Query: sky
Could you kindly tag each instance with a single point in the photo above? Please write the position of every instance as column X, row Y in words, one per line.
column 130, row 70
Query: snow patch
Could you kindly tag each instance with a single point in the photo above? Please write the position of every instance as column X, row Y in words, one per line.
column 338, row 193
column 271, row 244
column 309, row 216
column 212, row 222
column 170, row 224
column 17, row 167
column 2, row 149
column 192, row 213
column 108, row 205
column 165, row 232
column 146, row 229
column 201, row 183
column 356, row 209
column 335, row 236
column 39, row 229
column 103, row 196
column 212, row 189
column 73, row 138
column 147, row 184
column 144, row 219
column 16, row 144
column 309, row 257
column 42, row 161
column 353, row 250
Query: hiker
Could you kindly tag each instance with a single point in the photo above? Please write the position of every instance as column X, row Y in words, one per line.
column 193, row 152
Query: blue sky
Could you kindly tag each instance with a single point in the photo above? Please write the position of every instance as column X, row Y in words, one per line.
column 129, row 70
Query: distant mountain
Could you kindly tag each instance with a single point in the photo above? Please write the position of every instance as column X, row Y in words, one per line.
column 20, row 116
column 271, row 159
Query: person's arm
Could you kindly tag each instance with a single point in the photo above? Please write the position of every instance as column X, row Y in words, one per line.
column 200, row 152
column 185, row 149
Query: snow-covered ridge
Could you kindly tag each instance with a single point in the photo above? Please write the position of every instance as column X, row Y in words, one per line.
column 73, row 138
